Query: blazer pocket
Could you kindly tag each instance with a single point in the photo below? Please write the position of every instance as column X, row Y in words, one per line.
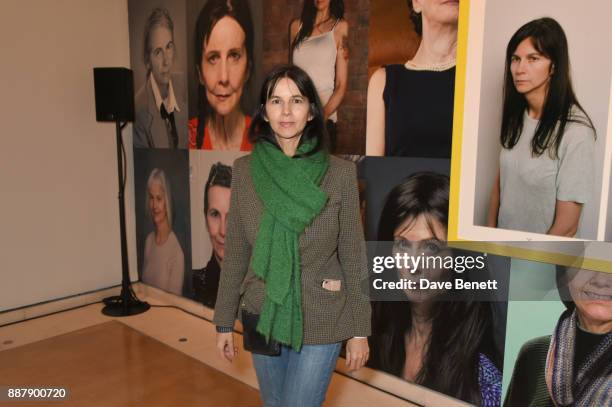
column 331, row 284
column 330, row 301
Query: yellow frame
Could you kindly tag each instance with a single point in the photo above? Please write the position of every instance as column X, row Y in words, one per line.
column 453, row 225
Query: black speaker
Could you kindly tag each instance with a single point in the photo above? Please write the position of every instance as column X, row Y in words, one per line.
column 114, row 88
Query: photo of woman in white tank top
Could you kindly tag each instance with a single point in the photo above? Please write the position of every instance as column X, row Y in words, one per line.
column 319, row 45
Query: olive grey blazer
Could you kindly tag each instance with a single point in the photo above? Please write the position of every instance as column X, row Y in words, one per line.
column 149, row 129
column 332, row 247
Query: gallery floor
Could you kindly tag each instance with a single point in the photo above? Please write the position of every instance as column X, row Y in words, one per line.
column 114, row 364
column 163, row 357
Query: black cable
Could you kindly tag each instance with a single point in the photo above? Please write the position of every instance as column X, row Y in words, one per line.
column 50, row 313
column 187, row 312
column 124, row 159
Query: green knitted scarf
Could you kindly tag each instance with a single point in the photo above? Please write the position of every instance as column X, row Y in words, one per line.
column 290, row 192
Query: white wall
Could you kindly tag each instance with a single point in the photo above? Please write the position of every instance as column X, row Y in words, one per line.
column 58, row 167
column 587, row 29
column 609, row 217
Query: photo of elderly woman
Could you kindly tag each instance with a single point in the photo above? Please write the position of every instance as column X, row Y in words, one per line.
column 160, row 103
column 573, row 365
column 425, row 337
column 215, row 206
column 224, row 64
column 161, row 186
column 410, row 104
column 164, row 261
column 319, row 45
column 546, row 163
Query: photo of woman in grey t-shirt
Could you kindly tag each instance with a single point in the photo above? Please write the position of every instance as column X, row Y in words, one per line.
column 546, row 169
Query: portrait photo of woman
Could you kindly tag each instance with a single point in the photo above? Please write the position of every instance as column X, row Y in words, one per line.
column 428, row 336
column 294, row 255
column 410, row 104
column 216, row 207
column 546, row 168
column 573, row 365
column 224, row 59
column 164, row 261
column 160, row 104
column 319, row 45
column 535, row 126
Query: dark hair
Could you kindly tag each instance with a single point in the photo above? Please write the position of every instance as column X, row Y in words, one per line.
column 416, row 18
column 307, row 19
column 548, row 38
column 211, row 13
column 315, row 128
column 461, row 330
column 219, row 175
column 158, row 17
column 423, row 193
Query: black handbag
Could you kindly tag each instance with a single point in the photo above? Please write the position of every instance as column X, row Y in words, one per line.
column 255, row 342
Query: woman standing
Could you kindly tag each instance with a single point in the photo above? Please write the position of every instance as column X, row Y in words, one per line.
column 429, row 336
column 294, row 255
column 164, row 261
column 224, row 55
column 410, row 106
column 546, row 163
column 319, row 45
column 216, row 207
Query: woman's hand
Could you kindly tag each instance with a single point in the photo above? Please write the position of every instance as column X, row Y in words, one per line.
column 357, row 353
column 567, row 218
column 225, row 345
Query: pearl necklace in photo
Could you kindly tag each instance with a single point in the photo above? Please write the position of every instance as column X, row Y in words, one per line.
column 437, row 67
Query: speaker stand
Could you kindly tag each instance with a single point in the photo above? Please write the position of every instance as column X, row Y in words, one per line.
column 126, row 303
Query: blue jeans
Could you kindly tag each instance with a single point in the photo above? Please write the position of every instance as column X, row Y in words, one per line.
column 296, row 379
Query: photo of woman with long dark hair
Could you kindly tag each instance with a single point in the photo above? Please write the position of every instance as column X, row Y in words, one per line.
column 294, row 254
column 573, row 366
column 216, row 207
column 410, row 105
column 164, row 261
column 224, row 62
column 319, row 45
column 546, row 168
column 426, row 338
column 161, row 111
